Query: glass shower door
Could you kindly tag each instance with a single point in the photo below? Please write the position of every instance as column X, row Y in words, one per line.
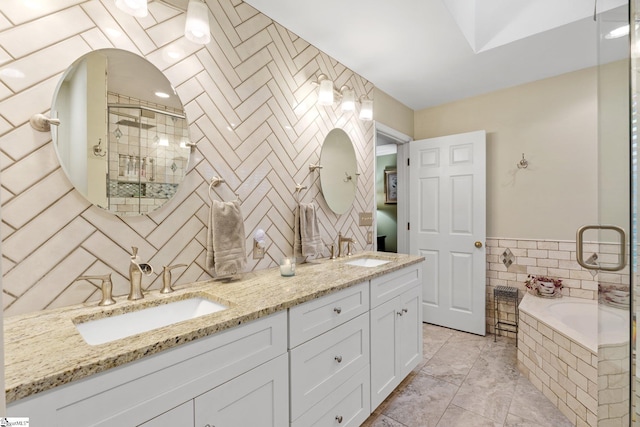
column 615, row 208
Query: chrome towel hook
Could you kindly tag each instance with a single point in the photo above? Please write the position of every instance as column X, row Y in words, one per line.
column 523, row 163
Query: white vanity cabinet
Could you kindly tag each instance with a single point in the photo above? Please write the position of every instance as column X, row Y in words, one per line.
column 329, row 359
column 259, row 397
column 160, row 389
column 180, row 415
column 396, row 330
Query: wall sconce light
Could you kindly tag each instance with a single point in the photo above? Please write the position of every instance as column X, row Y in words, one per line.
column 196, row 28
column 325, row 94
column 137, row 8
column 366, row 108
column 348, row 99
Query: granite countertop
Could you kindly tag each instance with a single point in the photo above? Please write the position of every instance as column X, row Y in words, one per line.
column 44, row 350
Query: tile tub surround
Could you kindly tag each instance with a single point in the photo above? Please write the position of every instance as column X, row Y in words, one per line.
column 252, row 110
column 564, row 370
column 613, row 385
column 555, row 258
column 44, row 350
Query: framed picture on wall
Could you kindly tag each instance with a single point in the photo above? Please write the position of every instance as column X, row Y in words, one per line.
column 390, row 187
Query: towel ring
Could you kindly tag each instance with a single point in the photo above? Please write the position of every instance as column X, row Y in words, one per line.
column 299, row 188
column 215, row 181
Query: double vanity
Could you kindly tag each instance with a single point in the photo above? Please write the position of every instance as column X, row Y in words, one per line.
column 324, row 347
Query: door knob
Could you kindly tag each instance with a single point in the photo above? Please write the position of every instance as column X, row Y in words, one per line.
column 478, row 244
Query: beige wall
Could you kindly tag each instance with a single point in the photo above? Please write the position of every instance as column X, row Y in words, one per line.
column 552, row 121
column 613, row 148
column 389, row 111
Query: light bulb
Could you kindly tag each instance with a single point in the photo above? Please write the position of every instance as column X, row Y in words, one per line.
column 348, row 100
column 366, row 110
column 196, row 28
column 325, row 95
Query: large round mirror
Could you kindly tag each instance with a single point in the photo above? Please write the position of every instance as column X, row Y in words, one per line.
column 339, row 173
column 123, row 135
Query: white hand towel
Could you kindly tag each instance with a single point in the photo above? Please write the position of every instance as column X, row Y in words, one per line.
column 226, row 253
column 309, row 230
column 297, row 243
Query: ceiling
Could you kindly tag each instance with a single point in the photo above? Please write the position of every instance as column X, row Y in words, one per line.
column 429, row 52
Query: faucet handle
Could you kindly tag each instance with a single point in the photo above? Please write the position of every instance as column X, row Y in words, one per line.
column 166, row 278
column 349, row 247
column 332, row 251
column 106, row 287
column 134, row 251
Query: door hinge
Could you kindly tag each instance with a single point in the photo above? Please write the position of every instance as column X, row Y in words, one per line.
column 408, row 162
column 408, row 226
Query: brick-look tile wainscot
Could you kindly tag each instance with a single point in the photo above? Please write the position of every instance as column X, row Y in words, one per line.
column 613, row 386
column 550, row 258
column 565, row 371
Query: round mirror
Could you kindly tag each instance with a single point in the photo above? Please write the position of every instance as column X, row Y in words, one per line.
column 123, row 135
column 339, row 173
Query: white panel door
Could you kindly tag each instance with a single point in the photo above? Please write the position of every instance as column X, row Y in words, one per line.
column 448, row 223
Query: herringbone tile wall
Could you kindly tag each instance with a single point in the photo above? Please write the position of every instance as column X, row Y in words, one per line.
column 251, row 106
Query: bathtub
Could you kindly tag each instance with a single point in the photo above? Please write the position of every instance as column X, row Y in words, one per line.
column 581, row 320
column 564, row 343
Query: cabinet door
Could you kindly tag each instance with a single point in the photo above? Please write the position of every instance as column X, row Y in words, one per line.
column 385, row 365
column 257, row 398
column 179, row 416
column 410, row 333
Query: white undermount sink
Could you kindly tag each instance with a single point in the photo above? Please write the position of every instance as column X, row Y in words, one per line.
column 367, row 262
column 124, row 325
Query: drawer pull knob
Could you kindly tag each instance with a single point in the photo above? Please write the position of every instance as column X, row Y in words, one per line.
column 338, row 310
column 399, row 313
column 404, row 310
column 338, row 359
column 339, row 419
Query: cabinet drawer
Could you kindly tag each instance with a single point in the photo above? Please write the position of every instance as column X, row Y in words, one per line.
column 347, row 406
column 318, row 316
column 319, row 366
column 391, row 285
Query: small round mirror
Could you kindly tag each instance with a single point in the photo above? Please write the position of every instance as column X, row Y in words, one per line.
column 123, row 135
column 338, row 176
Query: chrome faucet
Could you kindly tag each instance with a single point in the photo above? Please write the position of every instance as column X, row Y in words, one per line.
column 166, row 278
column 136, row 268
column 105, row 287
column 348, row 240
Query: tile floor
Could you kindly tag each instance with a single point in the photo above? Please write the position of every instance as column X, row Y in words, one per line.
column 466, row 381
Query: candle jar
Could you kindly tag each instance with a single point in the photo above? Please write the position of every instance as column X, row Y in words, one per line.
column 288, row 267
